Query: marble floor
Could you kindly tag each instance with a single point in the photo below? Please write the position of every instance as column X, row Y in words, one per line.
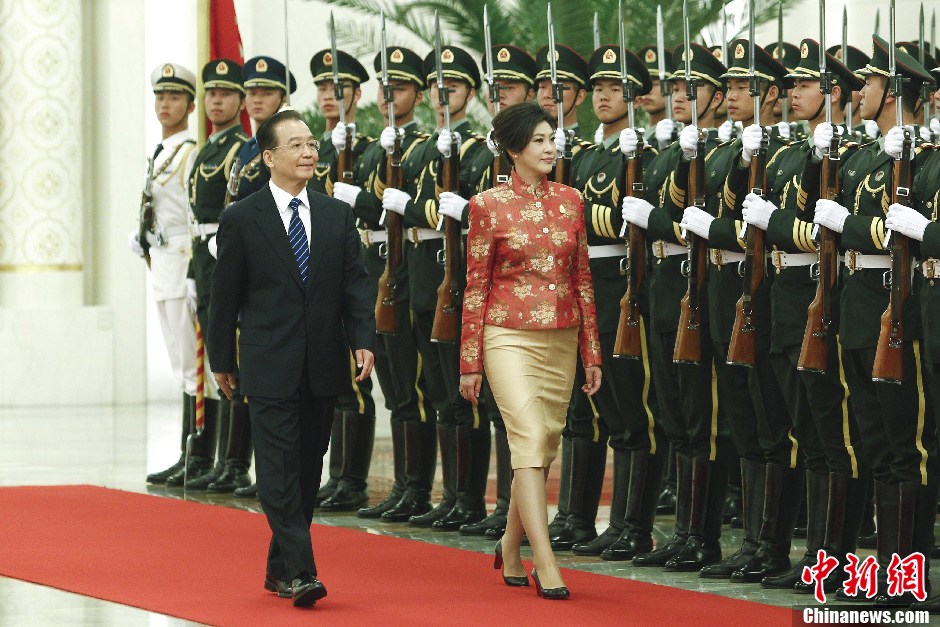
column 116, row 447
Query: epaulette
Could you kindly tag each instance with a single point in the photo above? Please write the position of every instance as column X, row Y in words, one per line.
column 721, row 145
column 846, row 146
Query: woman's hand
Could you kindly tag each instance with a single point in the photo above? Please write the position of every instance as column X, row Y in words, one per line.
column 470, row 386
column 592, row 376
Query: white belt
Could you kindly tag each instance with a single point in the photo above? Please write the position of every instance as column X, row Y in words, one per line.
column 416, row 235
column 370, row 237
column 930, row 268
column 857, row 261
column 607, row 250
column 662, row 249
column 203, row 230
column 721, row 257
column 782, row 260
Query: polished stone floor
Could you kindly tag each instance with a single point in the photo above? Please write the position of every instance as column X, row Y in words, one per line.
column 116, row 447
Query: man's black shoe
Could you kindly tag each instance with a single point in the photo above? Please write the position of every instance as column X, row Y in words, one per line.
column 306, row 590
column 277, row 585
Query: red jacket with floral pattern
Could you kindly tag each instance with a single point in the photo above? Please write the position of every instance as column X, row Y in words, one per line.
column 527, row 267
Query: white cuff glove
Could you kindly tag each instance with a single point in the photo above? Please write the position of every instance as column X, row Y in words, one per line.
column 664, row 130
column 492, row 144
column 872, row 130
column 830, row 214
column 445, row 140
column 338, row 136
column 346, row 192
column 599, row 134
column 628, row 141
column 395, row 200
column 697, row 221
column 387, row 138
column 561, row 140
column 757, row 211
column 750, row 141
column 784, row 129
column 822, row 138
column 925, row 133
column 192, row 301
column 636, row 211
column 688, row 141
column 726, row 131
column 451, row 205
column 906, row 221
column 134, row 244
column 894, row 142
column 213, row 247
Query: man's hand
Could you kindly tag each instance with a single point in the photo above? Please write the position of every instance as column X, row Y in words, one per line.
column 364, row 361
column 491, row 144
column 757, row 210
column 213, row 247
column 636, row 211
column 387, row 138
column 830, row 214
column 784, row 129
column 751, row 141
column 822, row 138
column 688, row 141
column 452, row 205
column 894, row 142
column 697, row 221
column 628, row 141
column 906, row 221
column 592, row 378
column 227, row 382
column 445, row 141
column 395, row 200
column 561, row 140
column 872, row 129
column 470, row 386
column 726, row 131
column 338, row 136
column 664, row 130
column 599, row 134
column 346, row 193
column 192, row 300
column 134, row 244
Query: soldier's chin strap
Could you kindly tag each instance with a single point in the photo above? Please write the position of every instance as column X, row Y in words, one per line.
column 702, row 113
column 884, row 99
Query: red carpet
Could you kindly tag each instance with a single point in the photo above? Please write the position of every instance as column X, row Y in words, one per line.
column 206, row 564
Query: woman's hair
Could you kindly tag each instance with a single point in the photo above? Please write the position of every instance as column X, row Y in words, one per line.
column 514, row 126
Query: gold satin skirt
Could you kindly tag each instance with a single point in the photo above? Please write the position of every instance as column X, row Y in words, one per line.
column 531, row 373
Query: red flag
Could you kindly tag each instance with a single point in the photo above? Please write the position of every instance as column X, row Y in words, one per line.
column 225, row 41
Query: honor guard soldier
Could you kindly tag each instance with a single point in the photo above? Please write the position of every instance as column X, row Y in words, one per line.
column 166, row 240
column 853, row 59
column 224, row 100
column 895, row 419
column 463, row 430
column 624, row 412
column 787, row 55
column 837, row 473
column 654, row 102
column 513, row 71
column 689, row 413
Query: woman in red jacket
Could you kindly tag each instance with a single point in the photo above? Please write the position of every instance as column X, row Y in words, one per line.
column 528, row 308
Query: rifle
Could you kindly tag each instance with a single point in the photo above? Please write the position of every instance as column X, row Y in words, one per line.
column 386, row 310
column 444, row 328
column 688, row 348
column 628, row 342
column 742, row 351
column 814, row 353
column 499, row 173
column 563, row 163
column 145, row 215
column 344, row 161
column 889, row 363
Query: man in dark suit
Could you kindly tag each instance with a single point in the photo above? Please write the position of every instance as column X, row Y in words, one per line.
column 300, row 307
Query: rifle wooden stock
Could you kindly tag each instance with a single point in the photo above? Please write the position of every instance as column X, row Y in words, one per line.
column 344, row 161
column 628, row 343
column 444, row 328
column 499, row 173
column 563, row 170
column 145, row 217
column 889, row 361
column 688, row 349
column 386, row 309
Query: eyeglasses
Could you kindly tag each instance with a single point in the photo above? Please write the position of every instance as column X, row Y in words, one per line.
column 311, row 145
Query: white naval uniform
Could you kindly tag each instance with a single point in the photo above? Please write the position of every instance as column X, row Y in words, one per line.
column 168, row 264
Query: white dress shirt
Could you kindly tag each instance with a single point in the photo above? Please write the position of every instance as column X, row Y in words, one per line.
column 282, row 200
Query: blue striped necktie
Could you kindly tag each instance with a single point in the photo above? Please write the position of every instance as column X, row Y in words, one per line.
column 298, row 240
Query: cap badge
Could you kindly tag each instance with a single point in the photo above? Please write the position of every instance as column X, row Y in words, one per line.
column 804, row 51
column 717, row 54
column 261, row 65
column 327, row 58
column 610, row 56
column 503, row 55
column 650, row 56
column 691, row 54
column 447, row 56
column 168, row 71
column 397, row 56
column 221, row 68
column 838, row 54
column 739, row 51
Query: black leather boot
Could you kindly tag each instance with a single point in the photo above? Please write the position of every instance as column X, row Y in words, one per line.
column 662, row 554
column 248, row 492
column 224, row 423
column 238, row 455
column 496, row 522
column 887, row 510
column 420, row 461
column 586, row 476
column 646, row 478
column 867, row 535
column 473, row 453
column 667, row 498
column 358, row 440
column 752, row 510
column 708, row 495
column 817, row 506
column 917, row 514
column 618, row 509
column 201, row 458
column 398, row 465
column 336, row 458
column 188, row 408
column 564, row 488
column 447, row 439
column 783, row 491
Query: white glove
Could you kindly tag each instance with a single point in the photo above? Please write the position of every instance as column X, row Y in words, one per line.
column 395, row 200
column 664, row 130
column 636, row 211
column 757, row 211
column 725, row 131
column 338, row 136
column 784, row 128
column 387, row 138
column 213, row 247
column 451, row 205
column 751, row 141
column 871, row 129
column 688, row 141
column 444, row 140
column 697, row 221
column 906, row 221
column 561, row 140
column 830, row 214
column 599, row 134
column 192, row 301
column 134, row 244
column 346, row 192
column 822, row 138
column 935, row 125
column 894, row 142
column 925, row 133
column 492, row 144
column 628, row 141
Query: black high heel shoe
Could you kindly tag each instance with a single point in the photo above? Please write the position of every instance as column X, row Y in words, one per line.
column 498, row 565
column 552, row 594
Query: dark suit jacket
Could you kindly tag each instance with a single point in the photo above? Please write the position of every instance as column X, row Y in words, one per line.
column 257, row 285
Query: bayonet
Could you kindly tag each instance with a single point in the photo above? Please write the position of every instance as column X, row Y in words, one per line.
column 825, row 79
column 691, row 89
column 557, row 88
column 896, row 80
column 627, row 86
column 286, row 59
column 597, row 32
column 337, row 85
column 661, row 57
column 386, row 87
column 488, row 43
column 925, row 86
column 754, row 80
column 781, row 54
column 849, row 113
column 442, row 92
column 878, row 22
column 724, row 34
